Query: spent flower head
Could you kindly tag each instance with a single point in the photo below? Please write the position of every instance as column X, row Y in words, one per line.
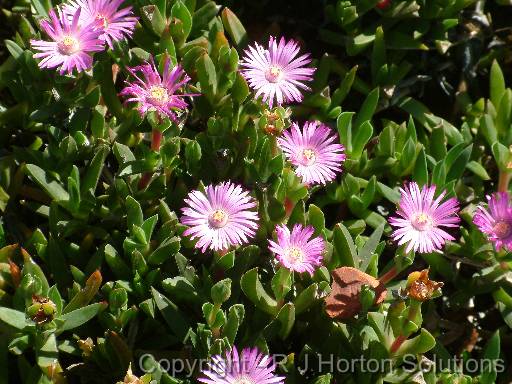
column 314, row 151
column 71, row 46
column 113, row 23
column 420, row 287
column 496, row 221
column 298, row 250
column 248, row 367
column 420, row 218
column 276, row 73
column 221, row 217
column 157, row 93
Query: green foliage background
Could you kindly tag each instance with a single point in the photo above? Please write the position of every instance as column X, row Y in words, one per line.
column 417, row 91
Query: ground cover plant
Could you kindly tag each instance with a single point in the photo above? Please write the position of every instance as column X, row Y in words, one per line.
column 255, row 192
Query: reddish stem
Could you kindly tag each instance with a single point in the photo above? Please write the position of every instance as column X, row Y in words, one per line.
column 388, row 276
column 504, row 181
column 288, row 206
column 156, row 141
column 397, row 343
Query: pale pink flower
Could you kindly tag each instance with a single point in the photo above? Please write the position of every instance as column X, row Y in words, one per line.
column 72, row 44
column 277, row 72
column 249, row 367
column 114, row 24
column 314, row 151
column 420, row 218
column 298, row 250
column 220, row 218
column 496, row 221
column 157, row 93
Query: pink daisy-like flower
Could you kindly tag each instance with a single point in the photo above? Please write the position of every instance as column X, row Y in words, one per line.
column 72, row 44
column 277, row 72
column 221, row 217
column 248, row 367
column 297, row 250
column 420, row 218
column 155, row 92
column 496, row 222
column 113, row 23
column 314, row 151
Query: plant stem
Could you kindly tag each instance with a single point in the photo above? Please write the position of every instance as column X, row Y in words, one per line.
column 397, row 343
column 388, row 276
column 504, row 181
column 288, row 206
column 413, row 310
column 156, row 141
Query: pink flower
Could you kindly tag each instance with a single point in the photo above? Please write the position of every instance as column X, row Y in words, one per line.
column 157, row 93
column 249, row 367
column 276, row 72
column 114, row 23
column 496, row 222
column 420, row 218
column 297, row 250
column 72, row 43
column 221, row 217
column 314, row 151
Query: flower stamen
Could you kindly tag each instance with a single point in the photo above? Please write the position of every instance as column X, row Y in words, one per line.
column 218, row 219
column 244, row 380
column 422, row 222
column 308, row 157
column 273, row 74
column 68, row 45
column 295, row 255
column 502, row 229
column 103, row 19
column 159, row 94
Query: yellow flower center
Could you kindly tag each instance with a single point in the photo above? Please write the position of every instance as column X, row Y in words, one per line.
column 422, row 222
column 308, row 157
column 103, row 19
column 502, row 229
column 218, row 219
column 244, row 380
column 159, row 94
column 295, row 255
column 273, row 74
column 68, row 45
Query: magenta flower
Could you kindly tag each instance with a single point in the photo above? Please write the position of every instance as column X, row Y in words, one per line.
column 156, row 93
column 113, row 23
column 276, row 72
column 72, row 44
column 249, row 367
column 314, row 151
column 297, row 250
column 420, row 218
column 220, row 218
column 496, row 222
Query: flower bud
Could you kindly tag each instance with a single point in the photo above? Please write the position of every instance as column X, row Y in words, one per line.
column 42, row 309
column 86, row 346
column 274, row 122
column 33, row 309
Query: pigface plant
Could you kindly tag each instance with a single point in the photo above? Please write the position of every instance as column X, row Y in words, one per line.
column 255, row 192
